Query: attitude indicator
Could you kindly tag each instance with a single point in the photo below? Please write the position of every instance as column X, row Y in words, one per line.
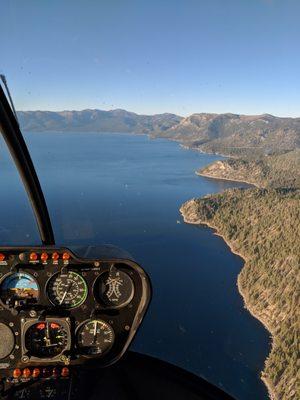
column 19, row 288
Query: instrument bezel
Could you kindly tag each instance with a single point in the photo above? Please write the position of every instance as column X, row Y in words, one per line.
column 46, row 289
column 26, row 324
column 8, row 274
column 122, row 268
column 77, row 331
column 124, row 321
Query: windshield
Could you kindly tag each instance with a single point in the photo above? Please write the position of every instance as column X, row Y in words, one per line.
column 171, row 130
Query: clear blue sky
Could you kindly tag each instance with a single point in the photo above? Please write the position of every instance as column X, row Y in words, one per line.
column 152, row 56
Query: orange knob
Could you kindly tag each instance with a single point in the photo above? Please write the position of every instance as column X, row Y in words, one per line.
column 26, row 372
column 33, row 256
column 17, row 373
column 55, row 256
column 65, row 372
column 66, row 256
column 36, row 372
column 44, row 256
column 2, row 257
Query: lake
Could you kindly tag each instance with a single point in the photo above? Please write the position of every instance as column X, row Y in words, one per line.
column 126, row 190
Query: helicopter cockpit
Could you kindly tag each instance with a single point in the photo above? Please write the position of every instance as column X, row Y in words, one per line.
column 68, row 312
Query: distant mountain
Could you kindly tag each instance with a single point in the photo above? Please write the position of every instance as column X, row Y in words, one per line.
column 96, row 121
column 236, row 134
column 217, row 133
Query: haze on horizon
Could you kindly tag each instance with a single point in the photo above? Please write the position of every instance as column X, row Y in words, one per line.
column 158, row 113
column 153, row 57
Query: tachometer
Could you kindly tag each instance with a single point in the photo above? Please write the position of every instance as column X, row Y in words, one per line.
column 46, row 339
column 95, row 337
column 68, row 290
column 19, row 288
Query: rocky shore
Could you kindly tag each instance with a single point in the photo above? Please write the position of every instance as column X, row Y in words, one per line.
column 189, row 213
column 256, row 224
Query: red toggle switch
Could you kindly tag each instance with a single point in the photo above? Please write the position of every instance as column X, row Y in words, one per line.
column 55, row 256
column 44, row 257
column 33, row 257
column 17, row 373
column 65, row 372
column 26, row 372
column 36, row 372
column 66, row 256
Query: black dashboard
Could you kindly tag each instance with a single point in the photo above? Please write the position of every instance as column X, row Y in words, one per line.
column 59, row 310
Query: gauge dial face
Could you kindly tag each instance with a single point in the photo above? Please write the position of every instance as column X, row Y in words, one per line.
column 24, row 394
column 7, row 341
column 46, row 339
column 19, row 287
column 95, row 337
column 67, row 290
column 114, row 288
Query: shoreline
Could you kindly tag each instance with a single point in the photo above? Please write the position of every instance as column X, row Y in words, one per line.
column 247, row 306
column 226, row 179
column 187, row 147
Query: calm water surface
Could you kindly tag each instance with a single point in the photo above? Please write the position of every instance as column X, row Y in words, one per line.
column 127, row 190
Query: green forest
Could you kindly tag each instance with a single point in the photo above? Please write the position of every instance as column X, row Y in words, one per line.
column 274, row 170
column 263, row 226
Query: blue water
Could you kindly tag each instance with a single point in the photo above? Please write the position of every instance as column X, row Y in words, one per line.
column 127, row 190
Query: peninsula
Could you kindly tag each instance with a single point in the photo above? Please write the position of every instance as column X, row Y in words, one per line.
column 262, row 225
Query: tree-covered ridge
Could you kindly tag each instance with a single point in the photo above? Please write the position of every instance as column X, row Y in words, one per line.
column 230, row 134
column 236, row 135
column 277, row 170
column 120, row 121
column 263, row 225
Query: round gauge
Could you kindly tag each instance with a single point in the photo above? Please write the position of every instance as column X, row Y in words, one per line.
column 24, row 394
column 114, row 288
column 68, row 290
column 52, row 391
column 7, row 342
column 19, row 288
column 95, row 337
column 46, row 339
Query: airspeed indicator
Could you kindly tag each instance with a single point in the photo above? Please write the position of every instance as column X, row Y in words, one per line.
column 67, row 290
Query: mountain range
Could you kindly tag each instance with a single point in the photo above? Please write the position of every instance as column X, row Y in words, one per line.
column 230, row 134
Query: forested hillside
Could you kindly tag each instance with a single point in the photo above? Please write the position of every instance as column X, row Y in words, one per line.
column 263, row 225
column 237, row 135
column 278, row 170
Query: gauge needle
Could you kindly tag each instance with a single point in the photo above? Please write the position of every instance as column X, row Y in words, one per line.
column 52, row 345
column 66, row 292
column 63, row 298
column 95, row 331
column 47, row 337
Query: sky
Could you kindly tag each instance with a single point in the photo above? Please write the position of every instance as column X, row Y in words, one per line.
column 188, row 56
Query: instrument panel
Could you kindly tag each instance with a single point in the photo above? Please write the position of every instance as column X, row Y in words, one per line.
column 59, row 310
